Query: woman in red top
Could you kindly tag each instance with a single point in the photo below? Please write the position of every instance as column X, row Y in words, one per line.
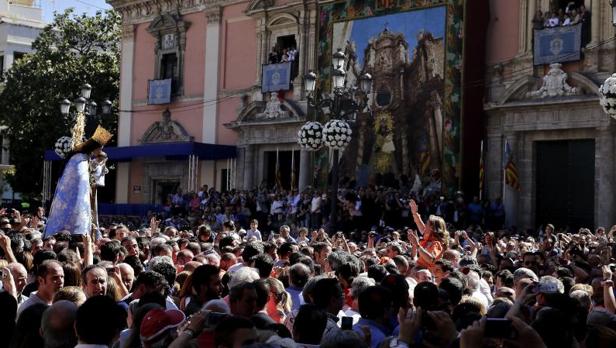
column 435, row 238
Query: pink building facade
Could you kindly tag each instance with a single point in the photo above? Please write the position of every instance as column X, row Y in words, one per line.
column 203, row 47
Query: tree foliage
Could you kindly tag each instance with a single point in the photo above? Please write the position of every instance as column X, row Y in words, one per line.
column 72, row 50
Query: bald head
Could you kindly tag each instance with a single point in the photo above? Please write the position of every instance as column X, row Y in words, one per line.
column 128, row 275
column 20, row 275
column 57, row 324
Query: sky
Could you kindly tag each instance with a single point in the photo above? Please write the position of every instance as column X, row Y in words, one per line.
column 410, row 23
column 87, row 6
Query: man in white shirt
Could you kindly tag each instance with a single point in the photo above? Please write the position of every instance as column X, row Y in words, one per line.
column 50, row 276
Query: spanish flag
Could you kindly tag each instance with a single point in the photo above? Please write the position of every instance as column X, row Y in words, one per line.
column 512, row 177
column 481, row 172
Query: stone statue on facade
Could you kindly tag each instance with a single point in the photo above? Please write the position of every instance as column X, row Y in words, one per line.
column 165, row 130
column 554, row 84
column 273, row 107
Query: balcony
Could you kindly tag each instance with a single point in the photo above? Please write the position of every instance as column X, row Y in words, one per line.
column 23, row 10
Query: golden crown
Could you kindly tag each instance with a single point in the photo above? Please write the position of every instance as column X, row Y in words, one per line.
column 101, row 135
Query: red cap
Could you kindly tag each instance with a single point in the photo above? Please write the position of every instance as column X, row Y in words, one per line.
column 157, row 321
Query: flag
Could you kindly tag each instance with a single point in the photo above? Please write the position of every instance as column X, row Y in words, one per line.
column 512, row 177
column 481, row 172
column 293, row 183
column 278, row 173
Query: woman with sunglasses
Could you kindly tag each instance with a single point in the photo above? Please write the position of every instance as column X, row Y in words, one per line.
column 435, row 238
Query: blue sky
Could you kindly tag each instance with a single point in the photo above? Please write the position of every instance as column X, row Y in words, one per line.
column 410, row 23
column 87, row 6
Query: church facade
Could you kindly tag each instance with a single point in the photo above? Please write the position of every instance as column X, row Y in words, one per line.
column 543, row 114
column 239, row 134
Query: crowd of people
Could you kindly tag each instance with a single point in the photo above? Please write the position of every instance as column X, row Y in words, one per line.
column 418, row 280
column 570, row 15
column 360, row 209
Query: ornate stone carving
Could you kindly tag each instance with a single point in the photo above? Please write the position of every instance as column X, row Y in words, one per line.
column 273, row 108
column 213, row 15
column 554, row 84
column 165, row 130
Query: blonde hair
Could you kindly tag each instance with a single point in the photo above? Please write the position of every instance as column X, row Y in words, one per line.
column 283, row 298
column 439, row 230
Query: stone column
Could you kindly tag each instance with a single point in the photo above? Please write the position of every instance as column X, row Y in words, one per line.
column 595, row 22
column 532, row 8
column 126, row 103
column 305, row 169
column 212, row 55
column 249, row 167
column 523, row 28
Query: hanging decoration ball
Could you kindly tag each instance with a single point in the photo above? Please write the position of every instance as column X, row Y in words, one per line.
column 337, row 134
column 608, row 96
column 63, row 146
column 310, row 136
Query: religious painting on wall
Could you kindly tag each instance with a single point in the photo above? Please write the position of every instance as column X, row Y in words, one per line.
column 413, row 51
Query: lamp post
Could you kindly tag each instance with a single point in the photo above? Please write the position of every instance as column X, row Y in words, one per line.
column 340, row 107
column 84, row 107
column 608, row 96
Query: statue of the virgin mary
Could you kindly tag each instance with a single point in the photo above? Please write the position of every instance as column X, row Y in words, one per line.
column 71, row 208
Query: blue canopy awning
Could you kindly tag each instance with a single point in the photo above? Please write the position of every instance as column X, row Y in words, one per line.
column 206, row 152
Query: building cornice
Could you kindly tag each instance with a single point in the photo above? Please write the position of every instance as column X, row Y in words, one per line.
column 141, row 11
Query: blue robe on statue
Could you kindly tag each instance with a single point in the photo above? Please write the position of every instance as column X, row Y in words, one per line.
column 70, row 209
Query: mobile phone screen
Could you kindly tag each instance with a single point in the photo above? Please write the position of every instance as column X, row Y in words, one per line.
column 346, row 323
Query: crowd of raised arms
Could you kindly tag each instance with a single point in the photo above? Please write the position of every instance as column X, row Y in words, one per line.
column 398, row 268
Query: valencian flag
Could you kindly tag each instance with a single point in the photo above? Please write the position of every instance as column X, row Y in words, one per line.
column 512, row 177
column 481, row 172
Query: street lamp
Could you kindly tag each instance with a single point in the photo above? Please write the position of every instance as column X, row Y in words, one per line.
column 106, row 107
column 86, row 90
column 80, row 104
column 608, row 95
column 340, row 106
column 65, row 107
column 84, row 107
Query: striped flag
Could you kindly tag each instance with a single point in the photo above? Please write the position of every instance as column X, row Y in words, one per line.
column 278, row 173
column 512, row 177
column 481, row 171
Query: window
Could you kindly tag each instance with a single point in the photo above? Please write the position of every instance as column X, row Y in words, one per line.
column 169, row 30
column 286, row 51
column 1, row 64
column 17, row 56
column 168, row 69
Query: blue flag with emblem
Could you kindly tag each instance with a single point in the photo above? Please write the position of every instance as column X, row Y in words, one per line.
column 558, row 44
column 159, row 91
column 276, row 77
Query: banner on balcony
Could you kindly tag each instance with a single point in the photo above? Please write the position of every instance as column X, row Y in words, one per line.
column 558, row 45
column 159, row 91
column 275, row 77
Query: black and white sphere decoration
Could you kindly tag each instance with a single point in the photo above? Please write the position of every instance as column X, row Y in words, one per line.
column 337, row 134
column 310, row 136
column 63, row 146
column 608, row 96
